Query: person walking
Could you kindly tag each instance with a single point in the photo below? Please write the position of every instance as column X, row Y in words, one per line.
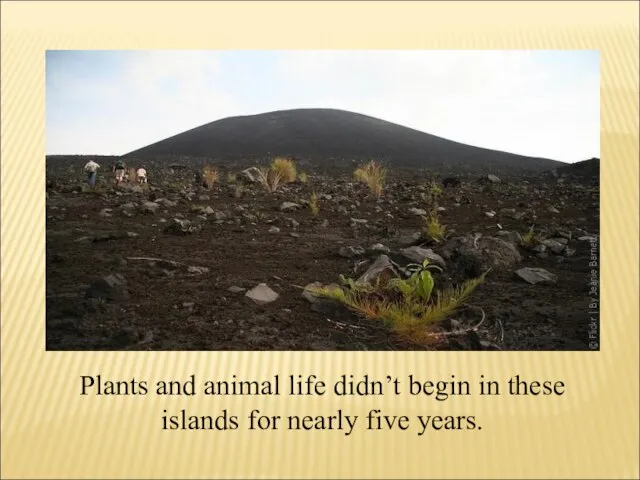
column 142, row 175
column 92, row 172
column 119, row 171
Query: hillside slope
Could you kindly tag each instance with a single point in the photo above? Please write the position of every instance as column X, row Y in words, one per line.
column 327, row 136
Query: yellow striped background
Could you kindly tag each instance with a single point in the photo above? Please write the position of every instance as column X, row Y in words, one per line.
column 49, row 431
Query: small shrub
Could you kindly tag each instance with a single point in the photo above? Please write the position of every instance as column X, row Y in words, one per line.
column 373, row 175
column 270, row 179
column 434, row 190
column 433, row 228
column 531, row 239
column 286, row 168
column 210, row 175
column 408, row 306
column 313, row 204
column 238, row 190
column 303, row 177
column 232, row 177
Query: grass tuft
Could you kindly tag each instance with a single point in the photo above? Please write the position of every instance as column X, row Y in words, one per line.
column 408, row 306
column 373, row 174
column 286, row 168
column 210, row 175
column 433, row 228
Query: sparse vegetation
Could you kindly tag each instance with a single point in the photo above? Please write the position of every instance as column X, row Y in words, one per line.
column 238, row 190
column 373, row 174
column 286, row 168
column 303, row 177
column 434, row 229
column 433, row 192
column 531, row 238
column 313, row 204
column 407, row 306
column 232, row 177
column 210, row 175
column 271, row 179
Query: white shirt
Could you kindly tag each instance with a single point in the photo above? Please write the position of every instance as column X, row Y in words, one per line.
column 141, row 172
column 91, row 166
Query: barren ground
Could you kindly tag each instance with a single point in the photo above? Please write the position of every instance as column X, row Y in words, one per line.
column 170, row 307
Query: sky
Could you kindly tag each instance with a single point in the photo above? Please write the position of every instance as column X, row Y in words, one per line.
column 536, row 103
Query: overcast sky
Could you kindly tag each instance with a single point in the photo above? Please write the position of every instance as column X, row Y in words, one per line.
column 537, row 103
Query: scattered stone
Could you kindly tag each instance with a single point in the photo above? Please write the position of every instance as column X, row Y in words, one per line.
column 165, row 202
column 537, row 275
column 493, row 179
column 408, row 240
column 262, row 294
column 113, row 236
column 511, row 237
column 476, row 254
column 149, row 207
column 418, row 255
column 379, row 248
column 289, row 206
column 490, row 214
column 111, row 287
column 351, row 252
column 553, row 210
column 236, row 289
column 274, row 229
column 553, row 245
column 418, row 211
column 381, row 270
column 197, row 270
column 182, row 227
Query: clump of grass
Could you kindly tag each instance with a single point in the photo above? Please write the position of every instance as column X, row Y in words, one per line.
column 232, row 177
column 303, row 177
column 286, row 168
column 238, row 190
column 270, row 179
column 433, row 227
column 373, row 174
column 408, row 306
column 210, row 175
column 434, row 190
column 313, row 204
column 531, row 239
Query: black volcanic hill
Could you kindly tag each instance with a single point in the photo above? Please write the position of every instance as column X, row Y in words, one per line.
column 329, row 137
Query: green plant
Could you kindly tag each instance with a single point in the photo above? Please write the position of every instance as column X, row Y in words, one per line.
column 419, row 284
column 232, row 177
column 433, row 228
column 433, row 192
column 531, row 238
column 373, row 175
column 313, row 204
column 408, row 306
column 303, row 177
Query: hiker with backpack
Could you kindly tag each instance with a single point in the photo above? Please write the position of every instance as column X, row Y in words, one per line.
column 119, row 168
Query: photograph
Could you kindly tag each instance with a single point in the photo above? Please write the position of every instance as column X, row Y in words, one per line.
column 322, row 200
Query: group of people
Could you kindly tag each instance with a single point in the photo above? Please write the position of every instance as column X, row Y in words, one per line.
column 119, row 170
